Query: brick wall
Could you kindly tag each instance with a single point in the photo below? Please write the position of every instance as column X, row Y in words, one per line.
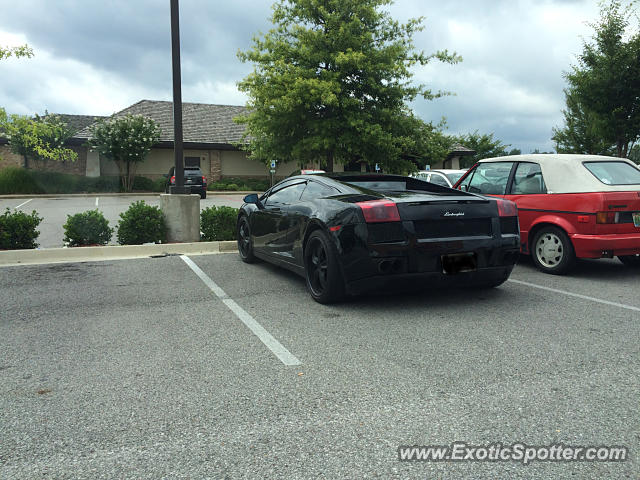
column 9, row 159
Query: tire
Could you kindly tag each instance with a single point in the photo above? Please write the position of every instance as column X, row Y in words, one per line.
column 630, row 260
column 245, row 244
column 552, row 251
column 203, row 194
column 322, row 272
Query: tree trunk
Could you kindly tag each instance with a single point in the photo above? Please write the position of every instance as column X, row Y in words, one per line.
column 329, row 161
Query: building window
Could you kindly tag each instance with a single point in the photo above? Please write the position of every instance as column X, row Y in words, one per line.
column 192, row 162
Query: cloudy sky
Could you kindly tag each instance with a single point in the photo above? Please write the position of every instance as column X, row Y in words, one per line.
column 99, row 56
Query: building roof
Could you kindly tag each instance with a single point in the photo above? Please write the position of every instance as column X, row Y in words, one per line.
column 458, row 150
column 201, row 123
column 77, row 122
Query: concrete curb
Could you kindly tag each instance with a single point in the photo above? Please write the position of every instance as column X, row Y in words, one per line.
column 10, row 258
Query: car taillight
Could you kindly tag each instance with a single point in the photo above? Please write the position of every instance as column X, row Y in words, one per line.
column 173, row 179
column 507, row 208
column 607, row 217
column 376, row 211
column 204, row 179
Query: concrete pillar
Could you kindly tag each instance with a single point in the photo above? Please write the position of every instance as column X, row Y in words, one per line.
column 182, row 217
column 215, row 165
column 93, row 164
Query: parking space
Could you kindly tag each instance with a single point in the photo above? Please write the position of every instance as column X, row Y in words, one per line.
column 55, row 210
column 146, row 369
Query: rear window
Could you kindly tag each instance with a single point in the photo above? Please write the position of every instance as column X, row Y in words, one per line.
column 614, row 173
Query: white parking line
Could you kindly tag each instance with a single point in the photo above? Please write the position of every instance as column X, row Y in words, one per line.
column 577, row 295
column 23, row 203
column 97, row 201
column 271, row 343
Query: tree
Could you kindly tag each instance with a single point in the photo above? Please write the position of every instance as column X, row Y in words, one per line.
column 582, row 130
column 40, row 138
column 127, row 141
column 603, row 96
column 515, row 151
column 20, row 51
column 331, row 81
column 484, row 145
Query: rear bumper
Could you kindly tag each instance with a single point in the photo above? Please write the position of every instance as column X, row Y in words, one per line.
column 419, row 263
column 598, row 246
column 483, row 277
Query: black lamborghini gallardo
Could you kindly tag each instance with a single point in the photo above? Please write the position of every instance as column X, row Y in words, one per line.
column 348, row 233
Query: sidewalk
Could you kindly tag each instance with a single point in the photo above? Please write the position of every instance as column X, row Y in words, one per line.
column 9, row 258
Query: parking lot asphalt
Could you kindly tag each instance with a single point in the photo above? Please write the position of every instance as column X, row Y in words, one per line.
column 54, row 211
column 140, row 369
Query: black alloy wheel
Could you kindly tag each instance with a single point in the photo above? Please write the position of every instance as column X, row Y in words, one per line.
column 324, row 280
column 245, row 245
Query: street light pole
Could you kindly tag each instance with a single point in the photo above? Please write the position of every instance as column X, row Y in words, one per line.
column 179, row 187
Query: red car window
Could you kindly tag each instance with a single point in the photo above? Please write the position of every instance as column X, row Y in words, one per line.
column 528, row 180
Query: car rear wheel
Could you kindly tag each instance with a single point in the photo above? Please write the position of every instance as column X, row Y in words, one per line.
column 630, row 260
column 552, row 251
column 203, row 195
column 245, row 245
column 322, row 273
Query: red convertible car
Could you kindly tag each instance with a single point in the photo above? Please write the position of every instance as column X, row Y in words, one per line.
column 569, row 206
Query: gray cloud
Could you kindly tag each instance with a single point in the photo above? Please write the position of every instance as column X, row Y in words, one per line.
column 98, row 57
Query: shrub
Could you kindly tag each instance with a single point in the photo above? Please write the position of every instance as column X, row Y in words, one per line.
column 87, row 228
column 17, row 180
column 218, row 223
column 141, row 223
column 18, row 230
column 142, row 183
column 159, row 184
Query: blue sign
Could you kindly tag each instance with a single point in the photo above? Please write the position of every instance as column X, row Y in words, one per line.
column 273, row 164
column 377, row 167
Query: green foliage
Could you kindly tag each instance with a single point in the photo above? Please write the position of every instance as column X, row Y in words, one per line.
column 16, row 180
column 40, row 138
column 87, row 228
column 603, row 96
column 19, row 51
column 159, row 184
column 240, row 184
column 218, row 223
column 125, row 140
column 634, row 154
column 331, row 81
column 18, row 230
column 143, row 183
column 582, row 131
column 484, row 145
column 141, row 223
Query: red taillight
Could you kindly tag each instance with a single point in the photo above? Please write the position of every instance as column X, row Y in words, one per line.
column 376, row 211
column 607, row 217
column 173, row 179
column 507, row 208
column 204, row 179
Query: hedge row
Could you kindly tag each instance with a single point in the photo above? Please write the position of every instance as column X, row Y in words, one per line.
column 16, row 180
column 141, row 223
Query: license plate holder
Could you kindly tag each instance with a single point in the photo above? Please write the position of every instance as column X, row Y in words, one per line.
column 455, row 263
column 636, row 219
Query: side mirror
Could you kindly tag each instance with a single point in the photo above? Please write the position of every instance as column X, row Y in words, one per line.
column 251, row 198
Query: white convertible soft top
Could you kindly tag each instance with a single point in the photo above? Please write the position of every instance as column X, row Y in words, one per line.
column 565, row 173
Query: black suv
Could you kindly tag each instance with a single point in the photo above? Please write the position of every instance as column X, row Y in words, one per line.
column 192, row 178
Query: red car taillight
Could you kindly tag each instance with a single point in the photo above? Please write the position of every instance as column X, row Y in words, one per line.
column 204, row 180
column 173, row 180
column 376, row 211
column 507, row 208
column 607, row 217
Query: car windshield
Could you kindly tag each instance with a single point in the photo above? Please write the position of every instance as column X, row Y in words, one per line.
column 614, row 173
column 454, row 176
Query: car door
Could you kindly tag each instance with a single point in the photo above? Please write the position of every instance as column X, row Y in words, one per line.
column 490, row 178
column 271, row 223
column 529, row 191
